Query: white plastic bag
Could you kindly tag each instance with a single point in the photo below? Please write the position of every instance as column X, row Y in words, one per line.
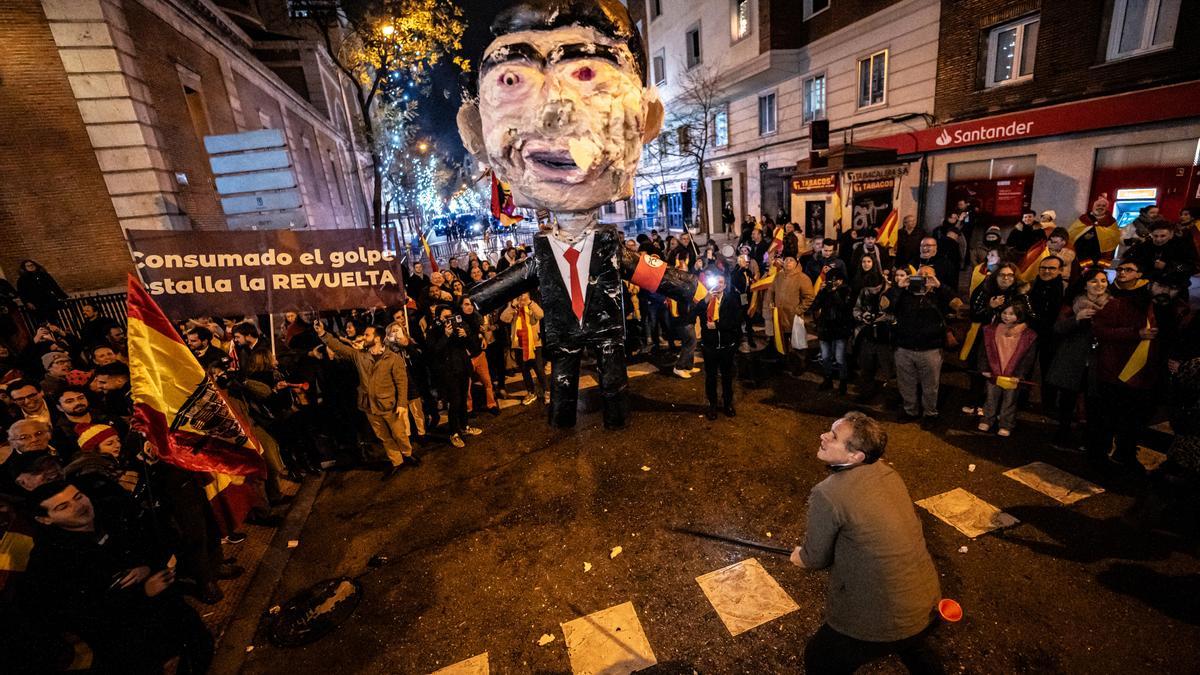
column 799, row 334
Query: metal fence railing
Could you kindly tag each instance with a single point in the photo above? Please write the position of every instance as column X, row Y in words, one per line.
column 111, row 305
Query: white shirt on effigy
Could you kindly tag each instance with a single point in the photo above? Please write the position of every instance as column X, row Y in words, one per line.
column 583, row 266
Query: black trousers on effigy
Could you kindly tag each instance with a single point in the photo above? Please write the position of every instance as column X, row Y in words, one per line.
column 564, row 383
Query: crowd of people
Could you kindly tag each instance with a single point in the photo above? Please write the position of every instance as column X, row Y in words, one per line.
column 1035, row 317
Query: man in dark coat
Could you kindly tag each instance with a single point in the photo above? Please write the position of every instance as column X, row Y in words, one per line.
column 720, row 317
column 97, row 574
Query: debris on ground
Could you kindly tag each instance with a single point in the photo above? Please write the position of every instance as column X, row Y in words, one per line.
column 545, row 639
column 645, row 468
column 962, row 549
column 587, row 567
column 971, row 467
column 615, row 552
column 293, row 543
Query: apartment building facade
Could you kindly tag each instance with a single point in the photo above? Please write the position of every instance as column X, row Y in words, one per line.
column 867, row 67
column 109, row 105
column 1047, row 105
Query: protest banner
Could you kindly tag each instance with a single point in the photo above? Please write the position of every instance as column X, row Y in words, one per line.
column 194, row 274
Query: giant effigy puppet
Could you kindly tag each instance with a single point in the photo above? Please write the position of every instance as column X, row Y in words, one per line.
column 562, row 113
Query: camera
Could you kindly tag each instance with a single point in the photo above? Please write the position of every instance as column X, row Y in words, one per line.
column 711, row 281
column 916, row 284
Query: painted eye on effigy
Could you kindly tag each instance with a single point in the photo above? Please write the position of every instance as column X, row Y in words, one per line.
column 584, row 74
column 510, row 79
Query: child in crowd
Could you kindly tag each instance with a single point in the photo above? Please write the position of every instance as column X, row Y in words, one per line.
column 1006, row 358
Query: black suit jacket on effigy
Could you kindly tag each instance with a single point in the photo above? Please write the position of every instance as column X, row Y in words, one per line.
column 603, row 309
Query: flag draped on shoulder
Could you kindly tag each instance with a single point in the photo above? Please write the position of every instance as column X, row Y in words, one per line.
column 176, row 405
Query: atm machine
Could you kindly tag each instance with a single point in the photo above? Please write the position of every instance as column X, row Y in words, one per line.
column 1128, row 204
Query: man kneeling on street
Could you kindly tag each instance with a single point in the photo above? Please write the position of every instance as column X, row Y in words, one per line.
column 883, row 588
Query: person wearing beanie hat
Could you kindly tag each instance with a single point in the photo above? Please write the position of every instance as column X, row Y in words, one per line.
column 1048, row 220
column 56, row 365
column 98, row 438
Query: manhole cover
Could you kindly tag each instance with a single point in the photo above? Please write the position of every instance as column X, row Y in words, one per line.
column 314, row 612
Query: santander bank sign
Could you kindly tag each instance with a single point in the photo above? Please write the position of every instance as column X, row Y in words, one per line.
column 1175, row 101
column 1002, row 132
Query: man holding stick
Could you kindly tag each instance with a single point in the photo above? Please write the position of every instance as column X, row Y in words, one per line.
column 883, row 588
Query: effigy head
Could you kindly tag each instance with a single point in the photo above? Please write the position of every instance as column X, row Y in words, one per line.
column 563, row 109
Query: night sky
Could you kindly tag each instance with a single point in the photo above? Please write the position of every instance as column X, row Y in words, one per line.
column 438, row 112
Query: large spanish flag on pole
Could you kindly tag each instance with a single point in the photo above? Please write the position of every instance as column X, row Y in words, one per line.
column 433, row 266
column 176, row 405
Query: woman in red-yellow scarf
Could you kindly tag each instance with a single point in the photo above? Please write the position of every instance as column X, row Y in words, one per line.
column 524, row 317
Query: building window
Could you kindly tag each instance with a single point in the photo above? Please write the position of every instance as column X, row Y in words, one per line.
column 693, row 47
column 339, row 191
column 872, row 79
column 655, row 9
column 814, row 7
column 684, row 139
column 741, row 19
column 197, row 111
column 766, row 114
column 1011, row 51
column 1141, row 26
column 814, row 98
column 720, row 125
column 659, row 66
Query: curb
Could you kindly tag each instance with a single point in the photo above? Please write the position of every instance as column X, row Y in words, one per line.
column 231, row 652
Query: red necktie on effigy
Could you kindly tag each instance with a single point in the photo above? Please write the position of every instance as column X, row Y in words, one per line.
column 572, row 256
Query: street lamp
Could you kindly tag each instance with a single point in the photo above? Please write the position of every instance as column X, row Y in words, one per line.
column 422, row 146
column 387, row 30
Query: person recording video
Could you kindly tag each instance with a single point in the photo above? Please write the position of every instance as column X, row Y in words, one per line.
column 720, row 317
column 450, row 342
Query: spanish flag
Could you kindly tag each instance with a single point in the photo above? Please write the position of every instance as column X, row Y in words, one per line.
column 820, row 282
column 503, row 206
column 1108, row 233
column 890, row 229
column 1027, row 269
column 179, row 410
column 838, row 221
column 778, row 329
column 433, row 267
column 978, row 274
column 776, row 246
column 1141, row 353
column 759, row 287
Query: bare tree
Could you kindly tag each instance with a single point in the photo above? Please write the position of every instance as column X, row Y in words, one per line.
column 688, row 134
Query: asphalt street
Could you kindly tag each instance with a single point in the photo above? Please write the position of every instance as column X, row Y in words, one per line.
column 487, row 546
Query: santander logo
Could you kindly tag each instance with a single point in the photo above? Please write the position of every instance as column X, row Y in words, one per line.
column 999, row 132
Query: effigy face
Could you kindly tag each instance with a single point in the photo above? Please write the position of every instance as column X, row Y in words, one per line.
column 562, row 117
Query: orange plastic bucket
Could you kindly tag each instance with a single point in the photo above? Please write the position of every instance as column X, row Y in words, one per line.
column 950, row 610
